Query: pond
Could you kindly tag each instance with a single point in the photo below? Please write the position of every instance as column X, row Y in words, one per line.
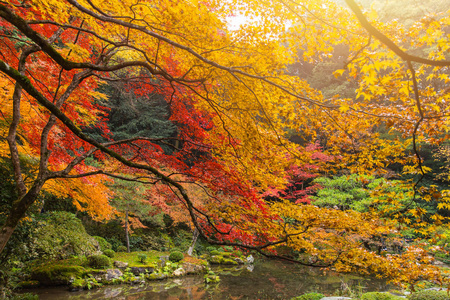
column 264, row 280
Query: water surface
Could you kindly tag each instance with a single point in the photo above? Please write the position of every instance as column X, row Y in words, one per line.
column 266, row 280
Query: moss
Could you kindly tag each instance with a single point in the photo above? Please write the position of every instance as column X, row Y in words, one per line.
column 379, row 296
column 56, row 274
column 104, row 245
column 227, row 261
column 110, row 253
column 429, row 295
column 133, row 261
column 121, row 249
column 309, row 296
column 99, row 261
column 29, row 284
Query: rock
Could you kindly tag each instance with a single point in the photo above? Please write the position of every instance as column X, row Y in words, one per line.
column 438, row 263
column 112, row 292
column 113, row 274
column 216, row 259
column 54, row 274
column 120, row 264
column 250, row 259
column 228, row 261
column 162, row 261
column 250, row 268
column 192, row 268
column 155, row 276
column 239, row 261
column 139, row 270
column 336, row 298
column 179, row 272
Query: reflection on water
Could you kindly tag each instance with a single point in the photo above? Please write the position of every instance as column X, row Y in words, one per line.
column 267, row 280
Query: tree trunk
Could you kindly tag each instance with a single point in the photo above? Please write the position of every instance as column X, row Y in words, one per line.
column 126, row 231
column 17, row 212
column 194, row 241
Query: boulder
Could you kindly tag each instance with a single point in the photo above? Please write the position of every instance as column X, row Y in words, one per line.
column 120, row 264
column 113, row 274
column 239, row 261
column 192, row 268
column 179, row 272
column 155, row 276
column 250, row 259
column 216, row 259
column 162, row 261
column 139, row 270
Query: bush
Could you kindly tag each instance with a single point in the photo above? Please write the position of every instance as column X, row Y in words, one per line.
column 99, row 261
column 121, row 249
column 115, row 243
column 176, row 256
column 110, row 253
column 379, row 296
column 104, row 245
column 309, row 296
column 215, row 252
column 429, row 295
column 210, row 248
column 60, row 235
column 228, row 248
column 142, row 257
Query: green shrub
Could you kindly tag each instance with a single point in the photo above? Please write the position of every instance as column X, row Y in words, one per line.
column 104, row 245
column 142, row 257
column 121, row 249
column 309, row 296
column 115, row 243
column 99, row 261
column 215, row 252
column 110, row 253
column 379, row 296
column 429, row 295
column 176, row 256
column 228, row 248
column 60, row 235
column 210, row 248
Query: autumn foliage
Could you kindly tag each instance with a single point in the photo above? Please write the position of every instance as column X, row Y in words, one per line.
column 230, row 168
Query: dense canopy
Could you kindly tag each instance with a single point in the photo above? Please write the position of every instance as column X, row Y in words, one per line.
column 217, row 125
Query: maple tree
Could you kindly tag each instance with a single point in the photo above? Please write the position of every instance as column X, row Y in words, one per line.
column 233, row 104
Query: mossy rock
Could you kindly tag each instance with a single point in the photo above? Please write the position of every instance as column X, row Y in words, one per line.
column 429, row 295
column 215, row 252
column 227, row 261
column 379, row 296
column 226, row 254
column 156, row 276
column 54, row 274
column 309, row 296
column 216, row 259
column 29, row 284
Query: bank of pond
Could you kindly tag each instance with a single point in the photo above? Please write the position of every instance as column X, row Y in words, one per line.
column 216, row 275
